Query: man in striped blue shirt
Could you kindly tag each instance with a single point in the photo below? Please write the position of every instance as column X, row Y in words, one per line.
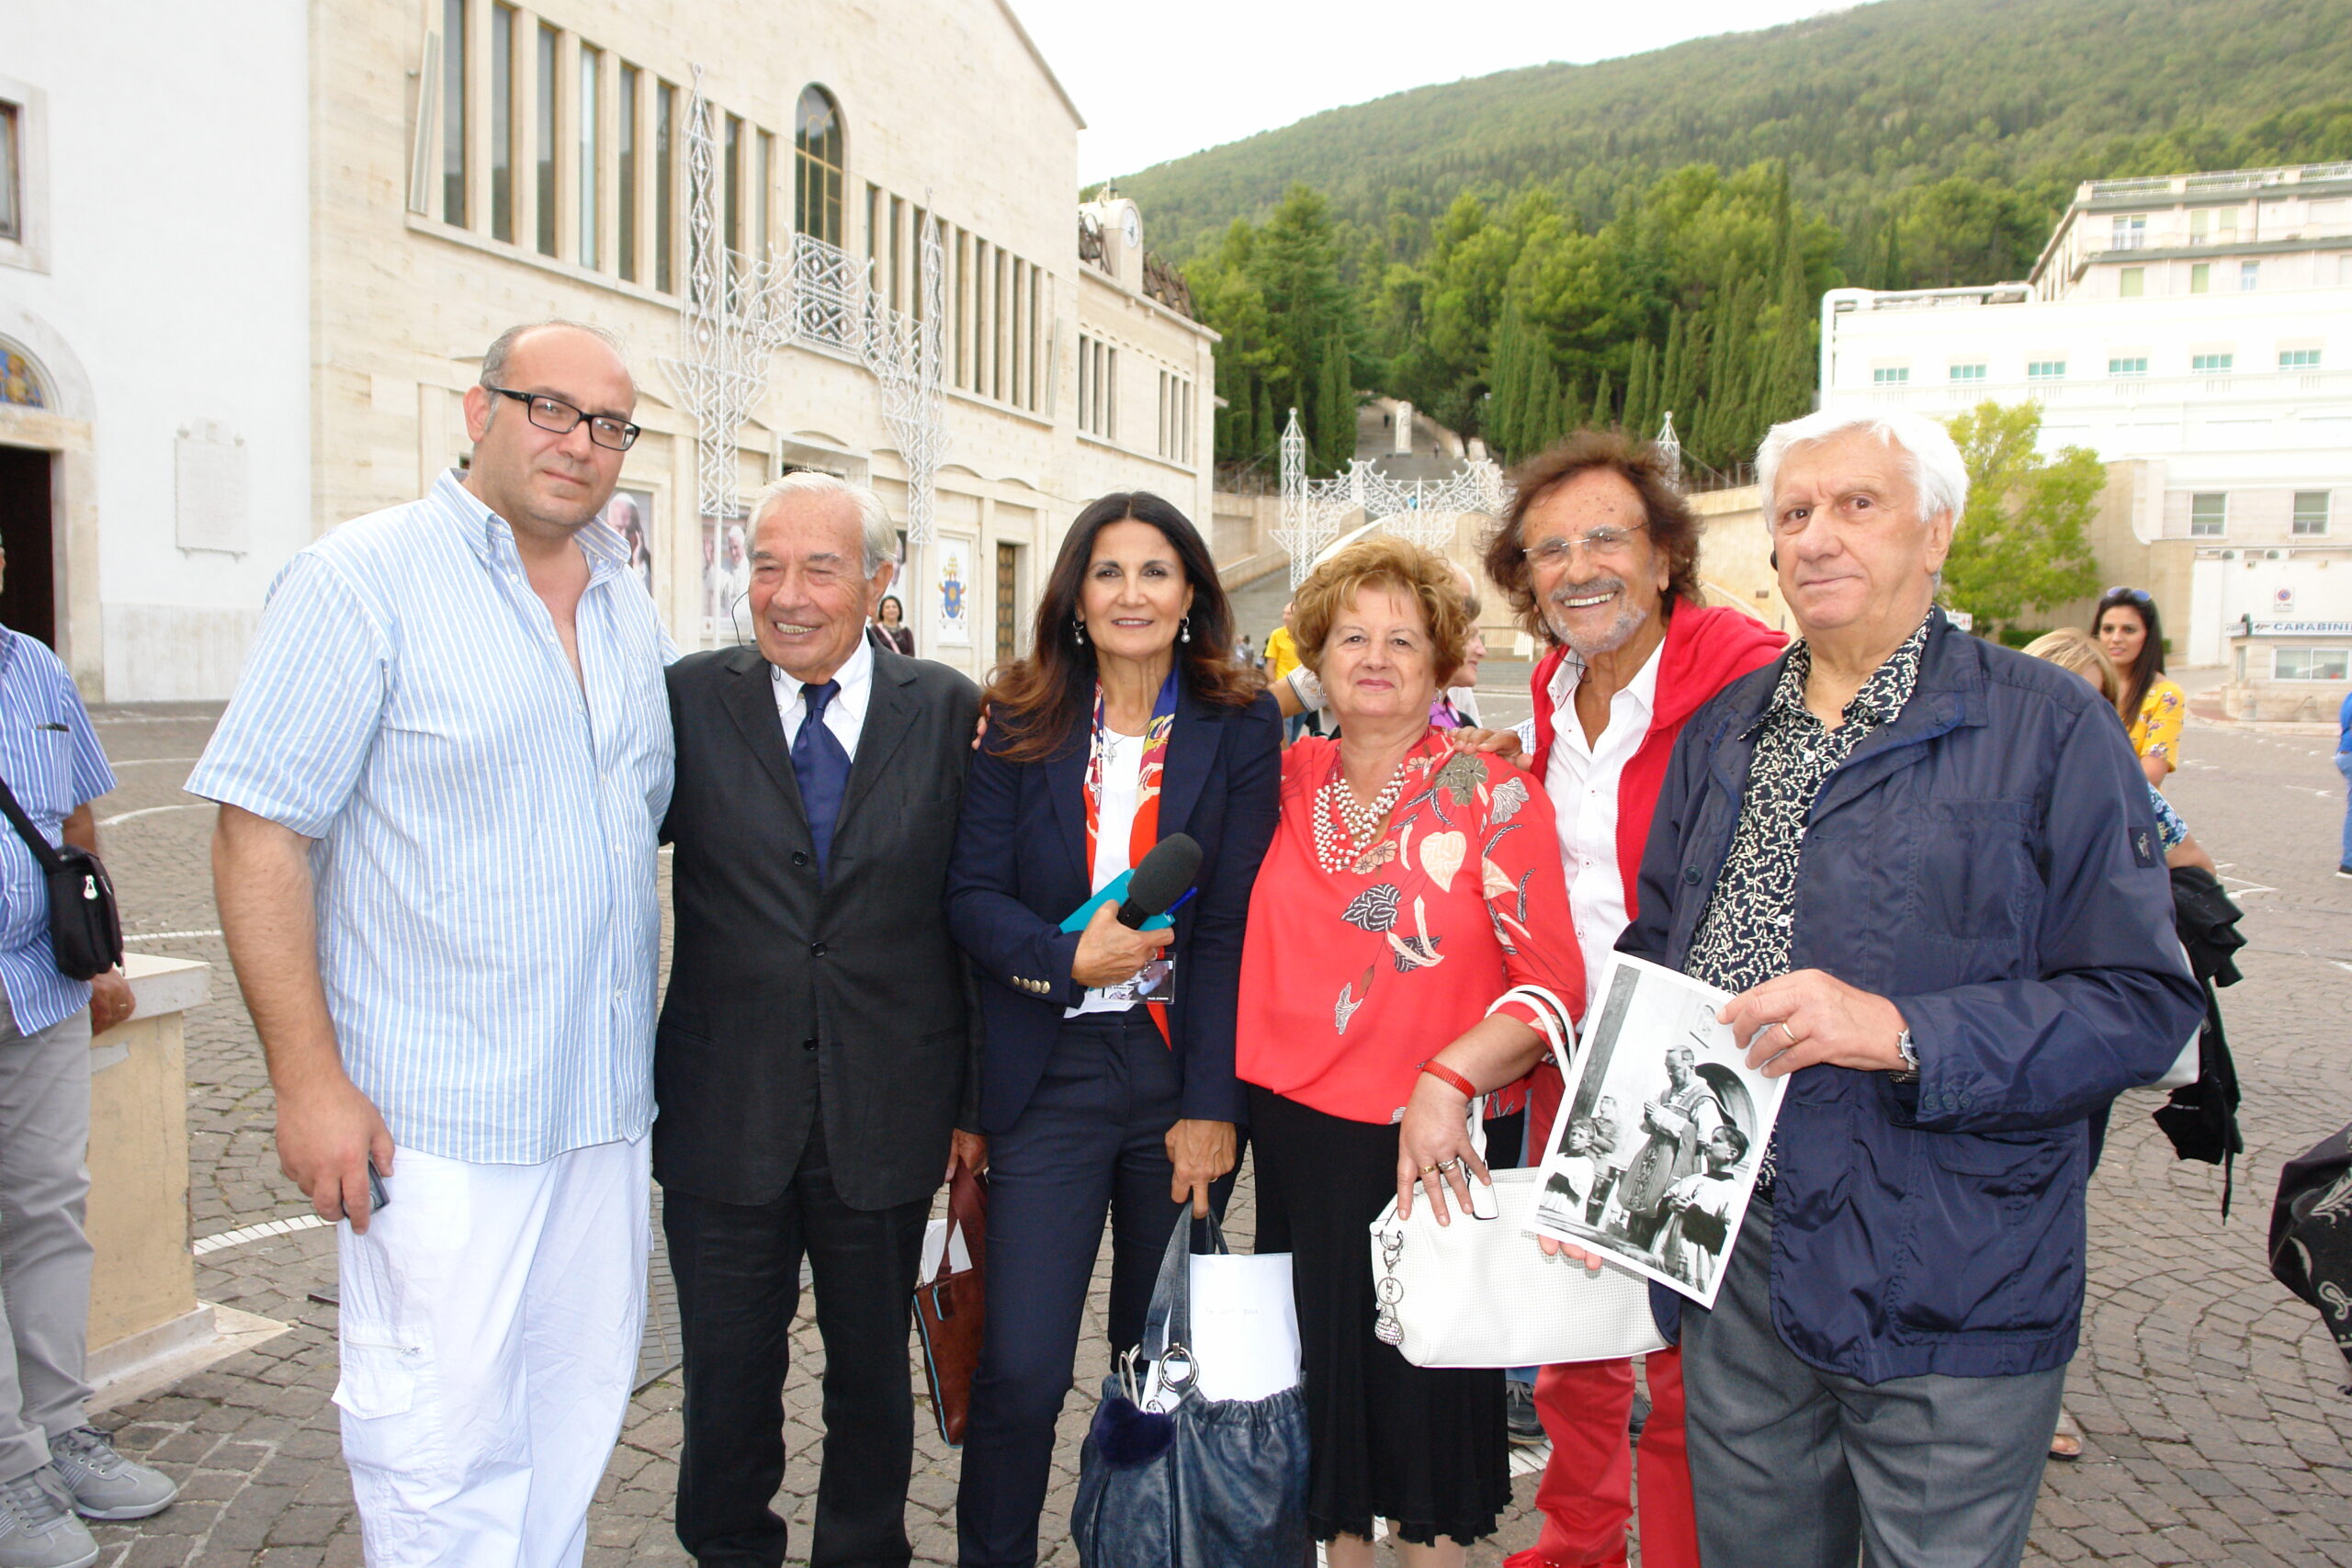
column 53, row 1463
column 440, row 785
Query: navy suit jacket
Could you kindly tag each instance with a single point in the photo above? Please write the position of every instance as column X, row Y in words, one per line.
column 1020, row 866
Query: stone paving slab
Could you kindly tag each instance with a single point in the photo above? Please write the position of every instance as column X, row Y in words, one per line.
column 2217, row 1431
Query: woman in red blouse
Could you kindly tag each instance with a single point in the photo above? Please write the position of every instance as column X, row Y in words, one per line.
column 1410, row 887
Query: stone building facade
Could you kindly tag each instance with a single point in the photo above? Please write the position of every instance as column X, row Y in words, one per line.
column 288, row 347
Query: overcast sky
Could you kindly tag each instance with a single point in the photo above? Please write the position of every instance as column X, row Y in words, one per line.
column 1155, row 82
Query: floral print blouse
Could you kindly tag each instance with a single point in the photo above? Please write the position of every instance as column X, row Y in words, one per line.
column 1351, row 981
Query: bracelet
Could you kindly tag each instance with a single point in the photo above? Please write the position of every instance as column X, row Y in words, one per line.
column 1450, row 1078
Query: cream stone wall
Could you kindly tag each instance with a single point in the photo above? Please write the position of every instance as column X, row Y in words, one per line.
column 946, row 108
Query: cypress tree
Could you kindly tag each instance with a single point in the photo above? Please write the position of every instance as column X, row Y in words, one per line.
column 1604, row 407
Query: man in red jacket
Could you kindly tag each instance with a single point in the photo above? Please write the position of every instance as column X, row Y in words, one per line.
column 1599, row 556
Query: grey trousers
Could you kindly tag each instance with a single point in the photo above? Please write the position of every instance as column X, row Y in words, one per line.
column 44, row 1257
column 1792, row 1466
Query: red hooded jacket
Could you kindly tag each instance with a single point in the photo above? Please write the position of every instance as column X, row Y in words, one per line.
column 1707, row 648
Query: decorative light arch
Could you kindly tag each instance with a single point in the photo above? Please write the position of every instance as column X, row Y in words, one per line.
column 1315, row 512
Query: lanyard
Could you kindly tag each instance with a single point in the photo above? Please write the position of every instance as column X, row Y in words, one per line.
column 1145, row 831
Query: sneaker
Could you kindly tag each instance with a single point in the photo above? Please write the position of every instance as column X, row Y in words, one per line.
column 2344, row 871
column 104, row 1484
column 1519, row 1413
column 38, row 1529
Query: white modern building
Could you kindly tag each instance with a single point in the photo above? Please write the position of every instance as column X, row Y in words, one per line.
column 2196, row 333
column 247, row 272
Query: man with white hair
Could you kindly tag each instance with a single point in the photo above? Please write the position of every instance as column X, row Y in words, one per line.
column 439, row 783
column 818, row 1059
column 1928, row 867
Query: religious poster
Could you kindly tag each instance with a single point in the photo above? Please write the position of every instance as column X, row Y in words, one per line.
column 951, row 593
column 1663, row 1126
column 630, row 515
column 726, row 582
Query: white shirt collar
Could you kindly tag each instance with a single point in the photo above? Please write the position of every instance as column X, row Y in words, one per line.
column 1642, row 690
column 855, row 673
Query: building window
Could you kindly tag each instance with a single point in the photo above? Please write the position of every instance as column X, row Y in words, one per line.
column 2249, row 276
column 2134, row 364
column 501, row 123
column 2134, row 282
column 2128, row 233
column 12, row 172
column 1890, row 375
column 1968, row 372
column 545, row 215
column 762, row 203
column 2298, row 359
column 2209, row 516
column 2045, row 369
column 730, row 222
column 1098, row 401
column 590, row 110
column 818, row 164
column 2211, row 364
column 624, row 189
column 2200, row 279
column 2311, row 663
column 2311, row 512
column 1175, row 417
column 896, row 251
column 665, row 175
column 453, row 111
column 2206, row 226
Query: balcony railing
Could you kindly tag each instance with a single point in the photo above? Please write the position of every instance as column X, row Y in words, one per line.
column 2218, row 180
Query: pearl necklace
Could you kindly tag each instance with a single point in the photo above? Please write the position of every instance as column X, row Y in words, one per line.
column 1337, row 811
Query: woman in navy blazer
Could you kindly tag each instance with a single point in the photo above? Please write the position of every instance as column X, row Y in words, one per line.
column 1128, row 721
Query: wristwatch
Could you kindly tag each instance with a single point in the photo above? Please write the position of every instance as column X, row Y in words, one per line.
column 1910, row 1053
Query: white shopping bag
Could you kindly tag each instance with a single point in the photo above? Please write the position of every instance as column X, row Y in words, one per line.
column 1245, row 1325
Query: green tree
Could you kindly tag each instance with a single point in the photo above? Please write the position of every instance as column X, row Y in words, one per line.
column 2023, row 542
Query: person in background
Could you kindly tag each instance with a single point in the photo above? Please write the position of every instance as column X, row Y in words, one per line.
column 2132, row 635
column 2344, row 766
column 816, row 1065
column 1107, row 1086
column 1598, row 555
column 1282, row 658
column 890, row 622
column 1926, row 867
column 441, row 781
column 2071, row 648
column 54, row 1465
column 1410, row 889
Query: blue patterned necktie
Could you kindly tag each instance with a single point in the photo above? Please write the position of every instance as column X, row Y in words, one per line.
column 821, row 765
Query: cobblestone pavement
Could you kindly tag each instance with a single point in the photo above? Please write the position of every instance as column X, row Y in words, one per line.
column 2216, row 1428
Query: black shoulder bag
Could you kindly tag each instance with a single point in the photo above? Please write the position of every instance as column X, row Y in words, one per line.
column 85, row 930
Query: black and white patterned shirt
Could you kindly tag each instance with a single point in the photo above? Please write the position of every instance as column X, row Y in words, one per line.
column 1743, row 939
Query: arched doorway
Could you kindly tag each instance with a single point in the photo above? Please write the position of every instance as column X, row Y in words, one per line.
column 27, row 505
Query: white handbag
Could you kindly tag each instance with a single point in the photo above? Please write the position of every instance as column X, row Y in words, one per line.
column 1480, row 1293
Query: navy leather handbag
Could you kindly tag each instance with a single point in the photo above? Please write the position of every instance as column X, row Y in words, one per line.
column 1170, row 1478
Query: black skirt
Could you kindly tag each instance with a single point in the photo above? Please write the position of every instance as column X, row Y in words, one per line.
column 1424, row 1447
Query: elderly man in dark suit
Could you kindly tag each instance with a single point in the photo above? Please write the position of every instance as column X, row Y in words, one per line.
column 816, row 1064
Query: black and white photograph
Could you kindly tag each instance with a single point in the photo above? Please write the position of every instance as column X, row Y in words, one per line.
column 1655, row 1151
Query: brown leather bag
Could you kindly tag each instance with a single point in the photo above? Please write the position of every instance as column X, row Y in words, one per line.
column 950, row 1307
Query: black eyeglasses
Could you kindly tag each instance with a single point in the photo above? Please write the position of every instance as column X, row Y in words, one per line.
column 555, row 414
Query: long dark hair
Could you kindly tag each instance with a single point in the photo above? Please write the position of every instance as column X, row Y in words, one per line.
column 2151, row 662
column 1042, row 700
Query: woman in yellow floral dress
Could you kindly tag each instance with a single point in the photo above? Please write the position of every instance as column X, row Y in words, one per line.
column 2153, row 708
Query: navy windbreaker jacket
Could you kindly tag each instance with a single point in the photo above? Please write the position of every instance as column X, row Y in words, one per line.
column 1988, row 861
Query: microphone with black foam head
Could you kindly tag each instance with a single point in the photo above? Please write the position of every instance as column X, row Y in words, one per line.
column 1166, row 872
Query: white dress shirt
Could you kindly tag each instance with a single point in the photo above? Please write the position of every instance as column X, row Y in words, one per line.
column 844, row 716
column 1115, row 825
column 1582, row 780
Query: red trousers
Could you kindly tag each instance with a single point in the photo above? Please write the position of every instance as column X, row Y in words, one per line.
column 1587, row 1494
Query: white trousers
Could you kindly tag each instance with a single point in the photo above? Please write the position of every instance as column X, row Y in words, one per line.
column 490, row 1325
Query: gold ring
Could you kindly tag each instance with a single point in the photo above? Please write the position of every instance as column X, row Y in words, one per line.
column 1429, row 1169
